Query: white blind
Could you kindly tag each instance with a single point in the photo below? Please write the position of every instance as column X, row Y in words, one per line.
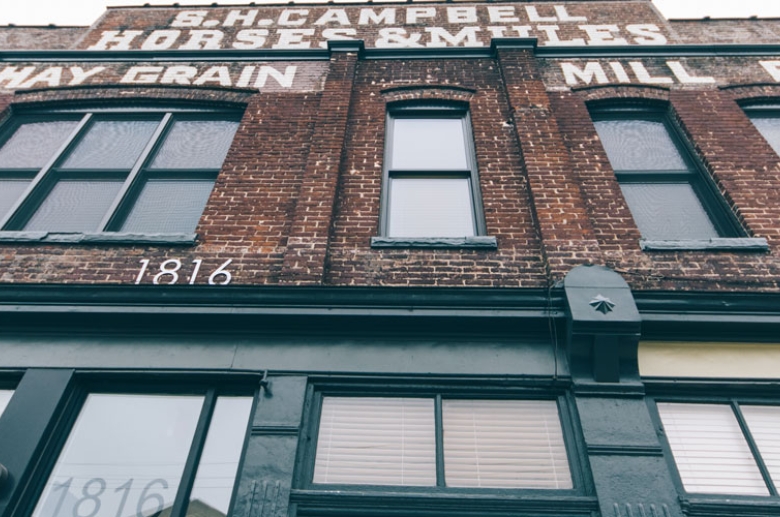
column 710, row 450
column 376, row 441
column 504, row 444
column 764, row 424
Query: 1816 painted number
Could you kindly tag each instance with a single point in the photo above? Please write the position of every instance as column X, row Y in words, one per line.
column 168, row 273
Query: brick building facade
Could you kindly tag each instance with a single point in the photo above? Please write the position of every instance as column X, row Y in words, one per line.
column 390, row 258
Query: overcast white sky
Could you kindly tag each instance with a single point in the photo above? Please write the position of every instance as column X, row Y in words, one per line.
column 85, row 12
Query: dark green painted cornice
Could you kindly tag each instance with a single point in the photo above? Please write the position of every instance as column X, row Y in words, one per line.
column 235, row 299
column 265, row 308
column 664, row 314
column 226, row 55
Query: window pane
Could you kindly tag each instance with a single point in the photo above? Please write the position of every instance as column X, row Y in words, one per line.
column 5, row 398
column 428, row 144
column 376, row 441
column 124, row 457
column 668, row 211
column 74, row 206
column 770, row 129
column 196, row 145
column 709, row 449
column 504, row 444
column 33, row 144
column 430, row 207
column 764, row 423
column 10, row 190
column 639, row 145
column 111, row 144
column 219, row 461
column 169, row 206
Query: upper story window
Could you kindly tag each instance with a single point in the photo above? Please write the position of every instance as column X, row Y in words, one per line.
column 667, row 191
column 148, row 454
column 445, row 442
column 110, row 171
column 766, row 118
column 431, row 185
column 726, row 448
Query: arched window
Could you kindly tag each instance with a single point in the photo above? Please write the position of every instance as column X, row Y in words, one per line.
column 431, row 184
column 667, row 190
column 139, row 171
column 766, row 118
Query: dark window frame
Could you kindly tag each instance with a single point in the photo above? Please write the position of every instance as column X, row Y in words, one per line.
column 210, row 386
column 715, row 503
column 579, row 496
column 431, row 110
column 697, row 175
column 43, row 180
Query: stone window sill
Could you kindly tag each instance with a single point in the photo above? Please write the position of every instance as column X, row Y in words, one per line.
column 479, row 242
column 97, row 238
column 718, row 244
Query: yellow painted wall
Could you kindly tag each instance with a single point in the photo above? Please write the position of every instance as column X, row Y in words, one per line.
column 712, row 360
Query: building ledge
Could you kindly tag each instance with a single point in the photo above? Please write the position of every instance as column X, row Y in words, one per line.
column 97, row 238
column 479, row 242
column 717, row 244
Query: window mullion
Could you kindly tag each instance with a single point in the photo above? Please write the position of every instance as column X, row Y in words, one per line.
column 440, row 476
column 39, row 177
column 754, row 448
column 180, row 504
column 111, row 213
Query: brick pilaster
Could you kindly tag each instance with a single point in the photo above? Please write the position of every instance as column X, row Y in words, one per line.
column 307, row 245
column 560, row 210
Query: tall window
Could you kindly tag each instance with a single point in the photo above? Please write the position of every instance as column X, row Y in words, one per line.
column 724, row 448
column 431, row 184
column 139, row 455
column 664, row 187
column 766, row 118
column 133, row 171
column 441, row 442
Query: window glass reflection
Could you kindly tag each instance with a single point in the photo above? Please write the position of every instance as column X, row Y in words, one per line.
column 639, row 145
column 428, row 144
column 219, row 462
column 124, row 457
column 111, row 144
column 430, row 207
column 34, row 143
column 5, row 397
column 769, row 127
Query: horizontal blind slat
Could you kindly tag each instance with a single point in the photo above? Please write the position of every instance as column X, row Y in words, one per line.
column 504, row 444
column 376, row 441
column 710, row 450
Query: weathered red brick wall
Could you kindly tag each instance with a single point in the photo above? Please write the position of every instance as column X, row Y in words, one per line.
column 224, row 27
column 502, row 177
column 5, row 101
column 38, row 38
column 298, row 198
column 742, row 164
column 247, row 218
column 749, row 31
